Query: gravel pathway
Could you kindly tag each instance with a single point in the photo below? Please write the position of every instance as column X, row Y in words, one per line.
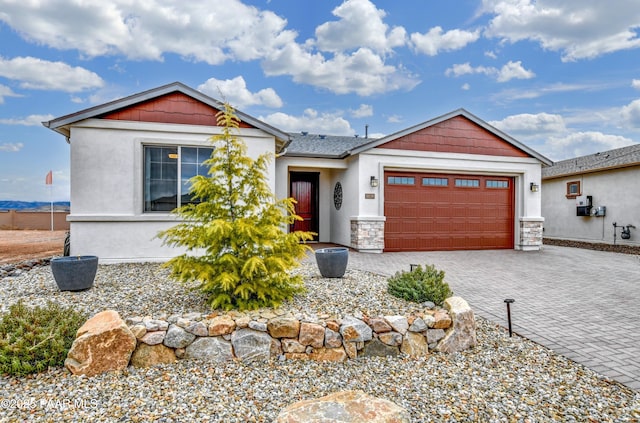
column 502, row 380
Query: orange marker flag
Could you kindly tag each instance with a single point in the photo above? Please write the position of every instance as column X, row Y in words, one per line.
column 49, row 178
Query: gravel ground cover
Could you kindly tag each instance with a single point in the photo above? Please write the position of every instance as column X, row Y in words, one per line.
column 502, row 380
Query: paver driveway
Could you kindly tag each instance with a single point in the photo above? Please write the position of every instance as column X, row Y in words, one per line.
column 582, row 304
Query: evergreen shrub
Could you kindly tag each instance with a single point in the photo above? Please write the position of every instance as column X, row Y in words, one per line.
column 420, row 285
column 34, row 339
column 237, row 250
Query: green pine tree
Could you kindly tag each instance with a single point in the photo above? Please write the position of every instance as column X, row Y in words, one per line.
column 237, row 250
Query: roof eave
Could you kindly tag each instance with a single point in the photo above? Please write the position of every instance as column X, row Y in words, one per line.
column 586, row 171
column 317, row 156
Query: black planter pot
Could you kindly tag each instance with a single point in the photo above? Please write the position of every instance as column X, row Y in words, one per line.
column 74, row 273
column 332, row 262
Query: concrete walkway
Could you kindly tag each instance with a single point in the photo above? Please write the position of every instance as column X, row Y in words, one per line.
column 582, row 304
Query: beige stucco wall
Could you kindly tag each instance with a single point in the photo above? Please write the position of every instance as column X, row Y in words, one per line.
column 330, row 171
column 615, row 189
column 107, row 217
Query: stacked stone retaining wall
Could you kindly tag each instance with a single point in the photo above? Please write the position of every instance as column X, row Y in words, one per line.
column 276, row 334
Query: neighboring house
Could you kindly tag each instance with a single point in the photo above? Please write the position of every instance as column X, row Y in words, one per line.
column 453, row 182
column 583, row 197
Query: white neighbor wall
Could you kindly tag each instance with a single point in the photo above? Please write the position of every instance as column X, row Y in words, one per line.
column 107, row 180
column 615, row 189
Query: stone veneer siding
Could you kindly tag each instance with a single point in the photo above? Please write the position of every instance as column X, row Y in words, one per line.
column 367, row 234
column 273, row 334
column 531, row 233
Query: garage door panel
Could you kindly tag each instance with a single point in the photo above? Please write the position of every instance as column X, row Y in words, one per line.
column 423, row 218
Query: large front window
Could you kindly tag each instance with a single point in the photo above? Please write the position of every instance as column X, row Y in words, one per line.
column 167, row 171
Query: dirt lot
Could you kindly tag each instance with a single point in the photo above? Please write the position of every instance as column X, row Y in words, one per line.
column 17, row 246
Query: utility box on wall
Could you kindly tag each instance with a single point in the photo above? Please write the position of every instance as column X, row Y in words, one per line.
column 583, row 205
column 600, row 211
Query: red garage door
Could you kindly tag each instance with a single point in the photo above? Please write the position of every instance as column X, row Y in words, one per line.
column 427, row 212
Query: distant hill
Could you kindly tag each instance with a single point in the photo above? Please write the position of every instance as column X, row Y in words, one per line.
column 34, row 205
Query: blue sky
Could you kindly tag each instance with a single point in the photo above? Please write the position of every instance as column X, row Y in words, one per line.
column 562, row 76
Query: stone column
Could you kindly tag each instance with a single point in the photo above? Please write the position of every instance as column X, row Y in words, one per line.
column 367, row 233
column 531, row 233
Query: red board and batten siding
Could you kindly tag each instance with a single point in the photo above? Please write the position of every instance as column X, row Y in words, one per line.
column 429, row 218
column 170, row 108
column 456, row 135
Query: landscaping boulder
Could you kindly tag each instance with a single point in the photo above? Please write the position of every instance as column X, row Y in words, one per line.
column 311, row 334
column 104, row 343
column 344, row 407
column 250, row 345
column 355, row 330
column 284, row 327
column 377, row 348
column 462, row 334
column 415, row 345
column 151, row 355
column 176, row 337
column 210, row 349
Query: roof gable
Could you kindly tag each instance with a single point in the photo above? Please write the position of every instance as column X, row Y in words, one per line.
column 159, row 104
column 455, row 135
column 455, row 132
column 175, row 107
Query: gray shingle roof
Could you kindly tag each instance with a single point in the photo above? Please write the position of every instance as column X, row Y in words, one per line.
column 323, row 146
column 612, row 159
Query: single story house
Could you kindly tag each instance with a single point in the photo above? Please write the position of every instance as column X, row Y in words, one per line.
column 453, row 182
column 591, row 198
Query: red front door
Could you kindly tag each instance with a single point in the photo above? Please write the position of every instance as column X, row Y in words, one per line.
column 304, row 189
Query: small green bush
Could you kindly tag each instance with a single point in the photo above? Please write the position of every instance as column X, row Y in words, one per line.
column 34, row 339
column 420, row 285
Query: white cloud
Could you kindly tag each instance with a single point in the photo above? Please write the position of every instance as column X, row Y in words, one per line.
column 31, row 120
column 348, row 56
column 394, row 119
column 362, row 72
column 465, row 87
column 466, row 69
column 38, row 74
column 211, row 32
column 514, row 70
column 365, row 110
column 11, row 147
column 636, row 84
column 360, row 25
column 436, row 40
column 582, row 143
column 580, row 29
column 311, row 121
column 236, row 93
column 530, row 93
column 631, row 114
column 6, row 92
column 530, row 124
